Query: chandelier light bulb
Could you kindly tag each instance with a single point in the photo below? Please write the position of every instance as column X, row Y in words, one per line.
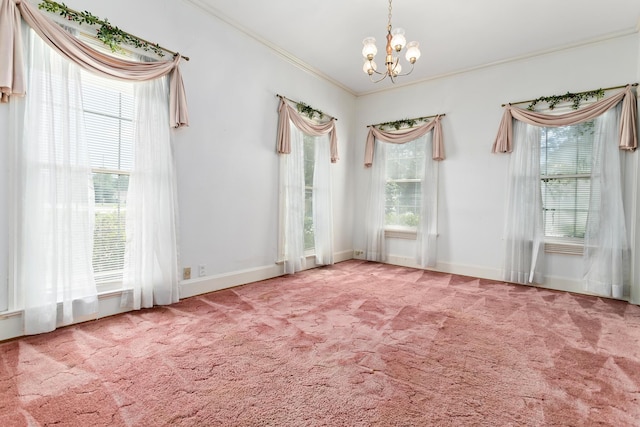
column 369, row 67
column 397, row 69
column 398, row 40
column 413, row 51
column 369, row 50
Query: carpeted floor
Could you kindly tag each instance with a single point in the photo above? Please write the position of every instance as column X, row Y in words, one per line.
column 355, row 344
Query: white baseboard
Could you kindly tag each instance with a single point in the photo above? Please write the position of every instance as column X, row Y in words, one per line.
column 12, row 323
column 551, row 282
column 203, row 285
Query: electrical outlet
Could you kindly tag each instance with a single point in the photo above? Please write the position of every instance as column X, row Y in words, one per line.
column 202, row 270
column 358, row 252
column 186, row 273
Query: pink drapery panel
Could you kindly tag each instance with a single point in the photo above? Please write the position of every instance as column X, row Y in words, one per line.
column 286, row 113
column 628, row 130
column 437, row 150
column 11, row 64
column 12, row 75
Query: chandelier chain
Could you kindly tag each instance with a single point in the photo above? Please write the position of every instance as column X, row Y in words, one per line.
column 389, row 24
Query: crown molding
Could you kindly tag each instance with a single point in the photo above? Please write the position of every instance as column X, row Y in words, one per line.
column 278, row 50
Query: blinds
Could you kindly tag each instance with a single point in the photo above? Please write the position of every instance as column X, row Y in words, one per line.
column 108, row 112
column 565, row 171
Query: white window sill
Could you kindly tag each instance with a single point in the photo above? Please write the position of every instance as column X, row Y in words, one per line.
column 566, row 246
column 400, row 233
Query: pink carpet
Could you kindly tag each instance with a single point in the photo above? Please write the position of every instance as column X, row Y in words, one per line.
column 355, row 344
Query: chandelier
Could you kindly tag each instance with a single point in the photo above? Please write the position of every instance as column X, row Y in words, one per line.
column 395, row 43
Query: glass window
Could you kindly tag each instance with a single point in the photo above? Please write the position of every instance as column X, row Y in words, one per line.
column 403, row 193
column 108, row 114
column 309, row 162
column 565, row 179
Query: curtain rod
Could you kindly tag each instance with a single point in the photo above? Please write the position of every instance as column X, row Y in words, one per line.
column 606, row 88
column 407, row 120
column 68, row 9
column 298, row 102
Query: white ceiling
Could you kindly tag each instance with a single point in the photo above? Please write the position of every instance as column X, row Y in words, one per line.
column 454, row 35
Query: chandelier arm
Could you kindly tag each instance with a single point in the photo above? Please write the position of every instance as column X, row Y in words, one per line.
column 384, row 76
column 407, row 73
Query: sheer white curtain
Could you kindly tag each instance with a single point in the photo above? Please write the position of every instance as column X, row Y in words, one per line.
column 292, row 178
column 151, row 254
column 426, row 233
column 54, row 192
column 375, row 249
column 292, row 187
column 428, row 227
column 606, row 252
column 524, row 232
column 322, row 208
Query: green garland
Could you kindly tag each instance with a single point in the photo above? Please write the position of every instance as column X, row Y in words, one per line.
column 398, row 124
column 109, row 35
column 575, row 99
column 308, row 111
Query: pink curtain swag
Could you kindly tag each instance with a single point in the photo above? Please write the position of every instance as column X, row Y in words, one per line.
column 12, row 80
column 288, row 113
column 628, row 127
column 404, row 136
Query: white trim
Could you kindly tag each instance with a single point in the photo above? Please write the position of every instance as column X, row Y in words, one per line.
column 551, row 282
column 567, row 246
column 399, row 233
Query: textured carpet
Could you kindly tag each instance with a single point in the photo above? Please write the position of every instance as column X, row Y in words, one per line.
column 355, row 344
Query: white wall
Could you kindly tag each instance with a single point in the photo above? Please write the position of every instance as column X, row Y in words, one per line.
column 472, row 180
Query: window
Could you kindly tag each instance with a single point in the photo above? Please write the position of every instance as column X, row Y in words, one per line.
column 565, row 180
column 108, row 113
column 309, row 163
column 403, row 190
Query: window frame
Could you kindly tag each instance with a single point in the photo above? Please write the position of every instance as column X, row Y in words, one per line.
column 403, row 231
column 112, row 283
column 556, row 244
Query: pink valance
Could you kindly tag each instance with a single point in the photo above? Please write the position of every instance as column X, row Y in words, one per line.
column 628, row 120
column 288, row 113
column 404, row 136
column 12, row 81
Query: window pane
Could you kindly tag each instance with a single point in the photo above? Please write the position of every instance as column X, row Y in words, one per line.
column 565, row 166
column 309, row 163
column 405, row 163
column 110, row 142
column 109, row 233
column 403, row 203
column 108, row 114
column 309, row 242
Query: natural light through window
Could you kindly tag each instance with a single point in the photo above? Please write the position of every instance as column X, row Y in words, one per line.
column 108, row 114
column 404, row 171
column 565, row 179
column 309, row 162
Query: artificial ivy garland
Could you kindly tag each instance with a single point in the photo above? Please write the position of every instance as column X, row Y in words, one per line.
column 308, row 111
column 575, row 99
column 398, row 124
column 109, row 35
